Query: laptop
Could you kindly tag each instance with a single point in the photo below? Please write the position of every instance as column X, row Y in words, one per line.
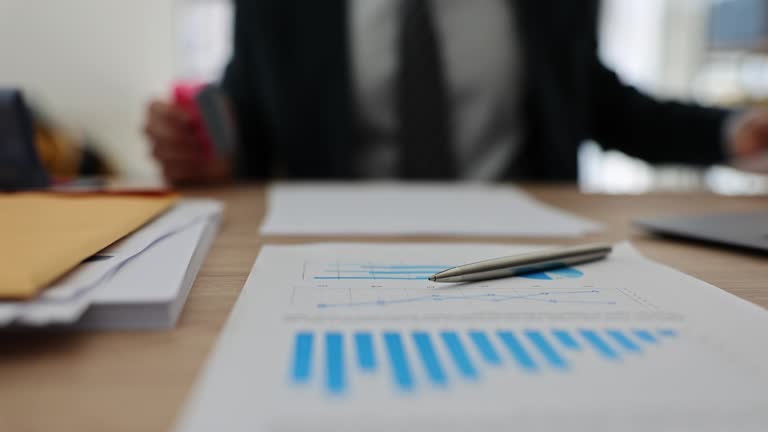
column 746, row 230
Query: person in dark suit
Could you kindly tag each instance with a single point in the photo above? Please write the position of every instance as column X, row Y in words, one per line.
column 419, row 89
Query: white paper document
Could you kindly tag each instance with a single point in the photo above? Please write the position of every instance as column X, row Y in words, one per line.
column 150, row 291
column 414, row 208
column 344, row 337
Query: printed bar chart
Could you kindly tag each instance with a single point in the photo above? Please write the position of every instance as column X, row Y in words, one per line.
column 421, row 359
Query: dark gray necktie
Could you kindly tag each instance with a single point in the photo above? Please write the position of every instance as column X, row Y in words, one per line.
column 423, row 108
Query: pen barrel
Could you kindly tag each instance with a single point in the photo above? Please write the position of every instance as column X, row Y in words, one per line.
column 529, row 263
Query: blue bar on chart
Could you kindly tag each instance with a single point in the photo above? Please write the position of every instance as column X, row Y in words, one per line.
column 668, row 333
column 365, row 356
column 599, row 344
column 335, row 380
column 566, row 339
column 519, row 353
column 429, row 359
column 645, row 336
column 548, row 351
column 459, row 355
column 401, row 370
column 624, row 341
column 302, row 358
column 484, row 346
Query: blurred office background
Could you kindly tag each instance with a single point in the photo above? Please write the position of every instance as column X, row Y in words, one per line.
column 92, row 65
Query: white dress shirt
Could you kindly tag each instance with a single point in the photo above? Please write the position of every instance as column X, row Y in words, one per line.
column 481, row 54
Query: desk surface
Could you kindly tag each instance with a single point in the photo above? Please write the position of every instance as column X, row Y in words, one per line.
column 137, row 381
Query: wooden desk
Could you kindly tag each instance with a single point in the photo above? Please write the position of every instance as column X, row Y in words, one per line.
column 137, row 381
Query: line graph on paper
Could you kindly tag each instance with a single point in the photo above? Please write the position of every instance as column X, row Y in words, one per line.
column 370, row 285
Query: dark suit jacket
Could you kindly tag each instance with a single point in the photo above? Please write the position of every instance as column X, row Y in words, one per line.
column 290, row 82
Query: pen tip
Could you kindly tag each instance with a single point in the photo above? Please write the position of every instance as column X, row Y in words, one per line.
column 432, row 278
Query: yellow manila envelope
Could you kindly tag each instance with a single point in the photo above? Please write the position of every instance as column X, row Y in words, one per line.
column 44, row 235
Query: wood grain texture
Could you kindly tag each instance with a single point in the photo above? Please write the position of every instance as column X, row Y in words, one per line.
column 137, row 381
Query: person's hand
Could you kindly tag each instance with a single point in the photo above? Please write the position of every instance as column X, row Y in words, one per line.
column 177, row 149
column 748, row 140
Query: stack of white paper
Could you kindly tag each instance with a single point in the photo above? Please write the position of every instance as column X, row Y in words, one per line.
column 414, row 208
column 340, row 337
column 139, row 281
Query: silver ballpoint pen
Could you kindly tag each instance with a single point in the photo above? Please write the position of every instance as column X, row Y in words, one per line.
column 524, row 263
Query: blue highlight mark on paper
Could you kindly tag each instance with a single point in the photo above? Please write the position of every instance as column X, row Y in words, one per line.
column 444, row 358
